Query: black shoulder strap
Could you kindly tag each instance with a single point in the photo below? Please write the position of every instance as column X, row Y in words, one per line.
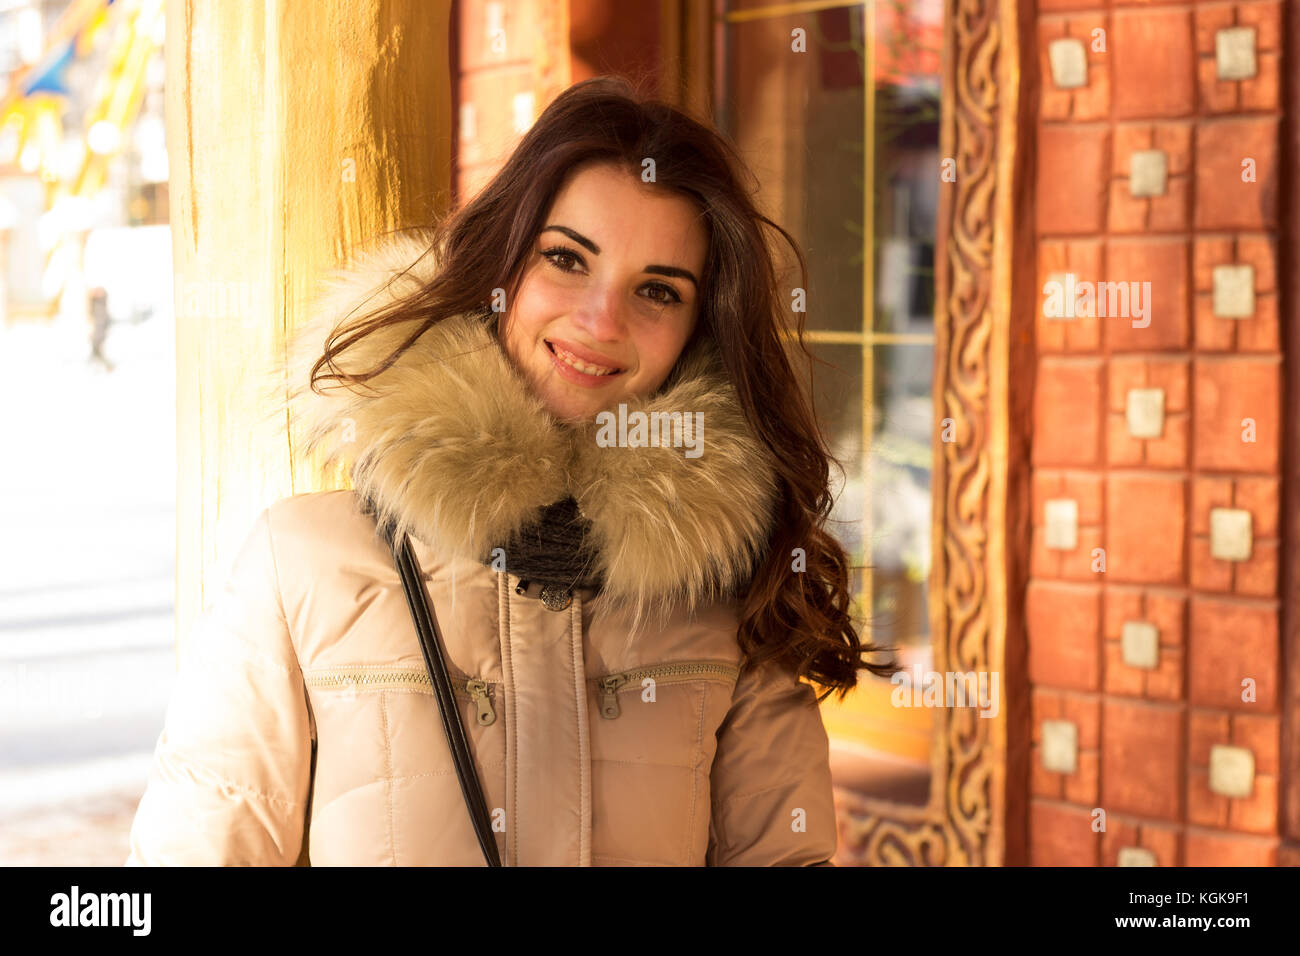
column 426, row 625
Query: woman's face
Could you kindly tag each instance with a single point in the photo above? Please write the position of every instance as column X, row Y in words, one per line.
column 609, row 293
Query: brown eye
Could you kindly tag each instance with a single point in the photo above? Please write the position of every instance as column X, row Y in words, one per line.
column 560, row 253
column 670, row 294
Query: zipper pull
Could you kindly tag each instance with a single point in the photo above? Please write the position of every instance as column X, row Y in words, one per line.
column 609, row 695
column 479, row 693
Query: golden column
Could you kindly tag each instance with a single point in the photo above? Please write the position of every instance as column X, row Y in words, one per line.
column 294, row 132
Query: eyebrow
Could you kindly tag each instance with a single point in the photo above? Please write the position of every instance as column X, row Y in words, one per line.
column 670, row 271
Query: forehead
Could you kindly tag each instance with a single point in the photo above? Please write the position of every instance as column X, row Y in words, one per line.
column 625, row 216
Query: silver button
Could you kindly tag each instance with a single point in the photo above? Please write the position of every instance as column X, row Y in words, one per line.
column 556, row 597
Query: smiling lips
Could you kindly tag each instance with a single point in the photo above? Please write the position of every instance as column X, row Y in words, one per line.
column 576, row 369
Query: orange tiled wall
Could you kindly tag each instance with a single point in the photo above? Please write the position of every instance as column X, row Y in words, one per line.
column 515, row 56
column 512, row 58
column 1144, row 735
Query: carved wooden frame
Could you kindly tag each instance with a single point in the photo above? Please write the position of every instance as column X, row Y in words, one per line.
column 977, row 807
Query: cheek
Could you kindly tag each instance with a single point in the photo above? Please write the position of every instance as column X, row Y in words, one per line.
column 659, row 353
column 539, row 302
column 526, row 318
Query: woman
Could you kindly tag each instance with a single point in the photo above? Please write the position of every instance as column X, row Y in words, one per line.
column 625, row 608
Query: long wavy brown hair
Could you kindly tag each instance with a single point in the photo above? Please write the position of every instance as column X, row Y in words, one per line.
column 801, row 619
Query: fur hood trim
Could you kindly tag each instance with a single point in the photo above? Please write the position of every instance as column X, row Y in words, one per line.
column 454, row 448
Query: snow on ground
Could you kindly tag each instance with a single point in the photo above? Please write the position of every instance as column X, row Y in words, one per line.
column 87, row 574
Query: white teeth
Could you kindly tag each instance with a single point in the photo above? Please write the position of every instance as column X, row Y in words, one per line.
column 568, row 358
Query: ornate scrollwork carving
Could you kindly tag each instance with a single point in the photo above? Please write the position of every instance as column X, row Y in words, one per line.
column 955, row 827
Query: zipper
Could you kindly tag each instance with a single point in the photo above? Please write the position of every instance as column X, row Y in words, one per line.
column 610, row 685
column 481, row 692
column 478, row 691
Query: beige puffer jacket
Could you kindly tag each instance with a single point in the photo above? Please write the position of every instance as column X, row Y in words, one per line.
column 619, row 730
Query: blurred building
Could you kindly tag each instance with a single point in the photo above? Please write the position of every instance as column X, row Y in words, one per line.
column 83, row 157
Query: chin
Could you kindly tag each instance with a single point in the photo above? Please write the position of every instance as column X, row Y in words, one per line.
column 573, row 404
column 574, row 413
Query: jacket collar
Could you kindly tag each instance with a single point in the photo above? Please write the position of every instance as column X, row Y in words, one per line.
column 453, row 448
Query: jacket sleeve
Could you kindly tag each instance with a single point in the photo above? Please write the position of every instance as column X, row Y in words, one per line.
column 231, row 771
column 772, row 803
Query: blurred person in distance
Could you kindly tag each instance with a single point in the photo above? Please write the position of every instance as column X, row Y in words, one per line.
column 99, row 323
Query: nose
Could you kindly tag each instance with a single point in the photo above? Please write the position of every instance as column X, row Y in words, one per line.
column 600, row 314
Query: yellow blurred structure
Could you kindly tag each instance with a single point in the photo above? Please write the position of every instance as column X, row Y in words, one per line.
column 284, row 155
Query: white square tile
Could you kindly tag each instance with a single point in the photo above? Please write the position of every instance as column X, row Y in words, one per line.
column 1234, row 292
column 1136, row 856
column 1230, row 534
column 1232, row 771
column 1066, row 286
column 1145, row 413
column 1069, row 62
column 1140, row 645
column 1060, row 746
column 1234, row 53
column 1062, row 520
column 1147, row 171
